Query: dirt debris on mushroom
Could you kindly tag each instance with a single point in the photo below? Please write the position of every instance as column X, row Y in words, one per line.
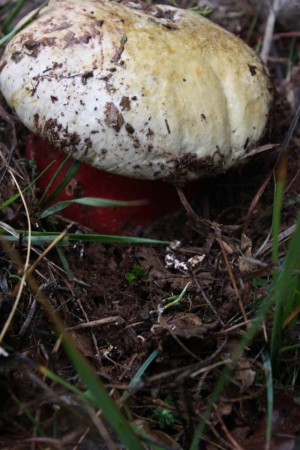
column 150, row 92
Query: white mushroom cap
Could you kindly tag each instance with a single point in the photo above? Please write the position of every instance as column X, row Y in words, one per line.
column 154, row 92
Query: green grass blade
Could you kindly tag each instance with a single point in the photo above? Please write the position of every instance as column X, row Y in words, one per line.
column 137, row 376
column 270, row 400
column 87, row 201
column 291, row 264
column 143, row 369
column 225, row 375
column 43, row 238
column 87, row 397
column 65, row 263
column 285, row 296
column 29, row 416
column 70, row 173
column 101, row 398
column 12, row 15
column 276, row 339
column 57, row 379
column 16, row 196
column 290, row 348
column 22, row 24
column 278, row 198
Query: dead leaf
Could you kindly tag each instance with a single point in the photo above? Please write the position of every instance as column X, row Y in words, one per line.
column 83, row 343
column 244, row 375
column 246, row 248
column 157, row 435
column 186, row 325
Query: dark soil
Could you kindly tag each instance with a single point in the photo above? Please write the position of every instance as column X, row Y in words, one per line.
column 194, row 338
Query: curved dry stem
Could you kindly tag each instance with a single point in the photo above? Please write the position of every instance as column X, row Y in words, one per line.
column 26, row 264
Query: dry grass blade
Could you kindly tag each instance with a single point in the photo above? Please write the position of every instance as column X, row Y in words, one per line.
column 283, row 235
column 190, row 212
column 207, row 301
column 258, row 150
column 230, row 272
column 269, row 30
column 97, row 323
column 230, row 438
column 53, row 244
column 20, row 286
column 255, row 201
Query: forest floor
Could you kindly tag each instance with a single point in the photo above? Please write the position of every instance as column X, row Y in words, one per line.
column 110, row 296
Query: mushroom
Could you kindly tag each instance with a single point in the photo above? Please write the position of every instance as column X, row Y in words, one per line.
column 147, row 92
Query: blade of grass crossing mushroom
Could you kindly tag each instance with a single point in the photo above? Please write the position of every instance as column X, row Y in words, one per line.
column 12, row 15
column 16, row 196
column 71, row 172
column 88, row 201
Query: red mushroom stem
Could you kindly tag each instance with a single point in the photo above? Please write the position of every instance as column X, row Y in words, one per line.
column 161, row 197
